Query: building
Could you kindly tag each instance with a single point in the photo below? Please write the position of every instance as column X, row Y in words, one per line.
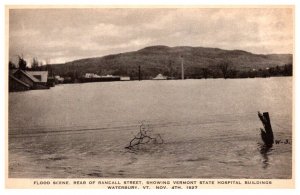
column 20, row 80
column 41, row 76
column 59, row 79
column 124, row 78
column 21, row 75
column 91, row 75
column 160, row 77
column 17, row 85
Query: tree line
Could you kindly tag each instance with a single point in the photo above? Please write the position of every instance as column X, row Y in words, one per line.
column 35, row 65
column 224, row 69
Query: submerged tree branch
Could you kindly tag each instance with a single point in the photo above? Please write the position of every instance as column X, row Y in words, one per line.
column 144, row 136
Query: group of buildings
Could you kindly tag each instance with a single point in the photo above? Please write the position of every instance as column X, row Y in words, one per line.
column 22, row 80
column 91, row 77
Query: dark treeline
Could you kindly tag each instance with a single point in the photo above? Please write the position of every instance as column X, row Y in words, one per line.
column 35, row 66
column 223, row 69
column 220, row 71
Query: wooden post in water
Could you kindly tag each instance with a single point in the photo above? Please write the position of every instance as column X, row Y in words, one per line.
column 266, row 133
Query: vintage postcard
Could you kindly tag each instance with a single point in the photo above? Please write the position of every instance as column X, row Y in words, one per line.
column 161, row 97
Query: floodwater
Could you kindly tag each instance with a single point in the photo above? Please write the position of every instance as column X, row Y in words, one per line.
column 210, row 129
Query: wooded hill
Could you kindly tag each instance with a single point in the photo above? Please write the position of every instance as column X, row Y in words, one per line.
column 167, row 61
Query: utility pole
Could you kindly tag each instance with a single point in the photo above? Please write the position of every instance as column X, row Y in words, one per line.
column 139, row 72
column 182, row 68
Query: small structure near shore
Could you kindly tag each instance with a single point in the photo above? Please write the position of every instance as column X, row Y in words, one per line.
column 17, row 85
column 160, row 77
column 59, row 79
column 125, row 78
column 21, row 80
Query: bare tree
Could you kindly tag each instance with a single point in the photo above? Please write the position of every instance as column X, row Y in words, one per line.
column 11, row 65
column 47, row 61
column 35, row 64
column 22, row 63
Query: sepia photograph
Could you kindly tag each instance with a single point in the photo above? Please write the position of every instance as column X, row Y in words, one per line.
column 155, row 92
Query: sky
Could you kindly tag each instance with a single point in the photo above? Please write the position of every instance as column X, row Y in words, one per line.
column 63, row 35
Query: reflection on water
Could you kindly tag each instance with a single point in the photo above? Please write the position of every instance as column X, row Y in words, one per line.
column 265, row 151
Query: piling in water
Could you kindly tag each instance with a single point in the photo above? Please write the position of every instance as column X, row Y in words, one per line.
column 266, row 133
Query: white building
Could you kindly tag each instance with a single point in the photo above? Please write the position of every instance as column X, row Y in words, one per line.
column 91, row 75
column 59, row 79
column 125, row 78
column 160, row 77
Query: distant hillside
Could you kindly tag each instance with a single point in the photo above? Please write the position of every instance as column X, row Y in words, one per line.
column 166, row 60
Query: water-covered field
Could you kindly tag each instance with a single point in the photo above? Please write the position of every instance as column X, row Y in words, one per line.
column 210, row 129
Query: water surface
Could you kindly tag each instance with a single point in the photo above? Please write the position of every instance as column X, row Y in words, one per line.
column 210, row 129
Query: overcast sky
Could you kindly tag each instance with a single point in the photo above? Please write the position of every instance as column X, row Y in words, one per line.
column 61, row 35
